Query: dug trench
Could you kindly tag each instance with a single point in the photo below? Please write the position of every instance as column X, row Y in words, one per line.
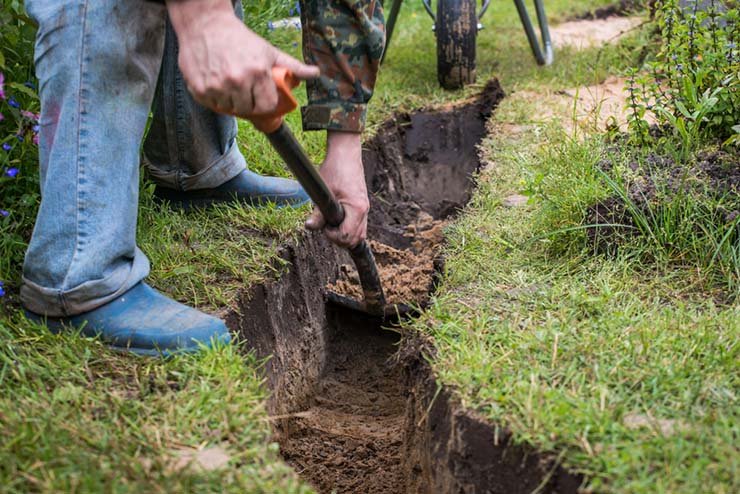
column 354, row 405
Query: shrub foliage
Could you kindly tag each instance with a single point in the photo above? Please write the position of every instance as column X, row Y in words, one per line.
column 693, row 84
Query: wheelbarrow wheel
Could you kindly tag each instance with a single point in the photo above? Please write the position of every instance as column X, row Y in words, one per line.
column 456, row 28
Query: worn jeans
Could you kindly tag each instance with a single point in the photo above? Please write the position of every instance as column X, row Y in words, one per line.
column 98, row 64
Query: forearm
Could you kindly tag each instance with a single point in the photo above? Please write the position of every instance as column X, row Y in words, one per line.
column 188, row 15
column 345, row 38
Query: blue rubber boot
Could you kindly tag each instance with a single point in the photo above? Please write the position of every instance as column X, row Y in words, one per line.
column 247, row 187
column 145, row 322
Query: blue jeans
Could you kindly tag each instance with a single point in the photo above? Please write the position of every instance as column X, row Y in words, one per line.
column 98, row 64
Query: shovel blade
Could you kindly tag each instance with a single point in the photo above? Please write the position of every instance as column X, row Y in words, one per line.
column 389, row 311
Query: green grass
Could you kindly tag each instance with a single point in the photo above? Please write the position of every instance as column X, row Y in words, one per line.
column 631, row 339
column 625, row 368
column 75, row 417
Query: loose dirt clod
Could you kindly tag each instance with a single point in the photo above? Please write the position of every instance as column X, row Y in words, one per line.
column 406, row 274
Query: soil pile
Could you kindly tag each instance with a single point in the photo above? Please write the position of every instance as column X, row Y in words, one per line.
column 713, row 177
column 406, row 275
column 621, row 8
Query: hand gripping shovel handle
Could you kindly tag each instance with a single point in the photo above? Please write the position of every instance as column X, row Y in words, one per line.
column 287, row 146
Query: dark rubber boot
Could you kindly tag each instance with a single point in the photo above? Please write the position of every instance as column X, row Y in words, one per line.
column 247, row 187
column 145, row 322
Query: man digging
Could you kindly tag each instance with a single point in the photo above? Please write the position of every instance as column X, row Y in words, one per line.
column 102, row 65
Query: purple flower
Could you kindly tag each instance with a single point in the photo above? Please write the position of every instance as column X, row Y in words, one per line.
column 2, row 290
column 19, row 137
column 2, row 85
column 4, row 213
column 12, row 172
column 29, row 84
column 36, row 129
column 270, row 26
column 12, row 102
column 7, row 146
column 29, row 115
column 36, row 139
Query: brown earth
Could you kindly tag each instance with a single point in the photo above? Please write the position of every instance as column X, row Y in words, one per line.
column 406, row 274
column 349, row 438
column 621, row 8
column 649, row 181
column 594, row 107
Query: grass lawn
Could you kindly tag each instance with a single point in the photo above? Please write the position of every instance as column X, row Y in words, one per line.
column 625, row 369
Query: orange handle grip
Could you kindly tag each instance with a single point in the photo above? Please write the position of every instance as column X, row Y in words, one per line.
column 285, row 81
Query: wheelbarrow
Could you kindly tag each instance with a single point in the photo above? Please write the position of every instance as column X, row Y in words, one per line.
column 456, row 25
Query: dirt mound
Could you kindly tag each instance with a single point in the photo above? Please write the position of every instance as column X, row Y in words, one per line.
column 406, row 274
column 584, row 34
column 621, row 8
column 657, row 179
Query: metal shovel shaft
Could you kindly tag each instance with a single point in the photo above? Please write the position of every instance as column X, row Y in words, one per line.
column 292, row 153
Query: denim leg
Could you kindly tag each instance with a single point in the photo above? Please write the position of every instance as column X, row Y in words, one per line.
column 97, row 63
column 188, row 146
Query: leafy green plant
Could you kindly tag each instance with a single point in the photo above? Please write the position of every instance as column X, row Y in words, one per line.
column 693, row 85
column 19, row 127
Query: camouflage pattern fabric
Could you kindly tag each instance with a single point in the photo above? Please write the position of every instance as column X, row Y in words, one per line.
column 345, row 38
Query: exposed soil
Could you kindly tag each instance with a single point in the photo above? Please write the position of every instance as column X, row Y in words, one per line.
column 406, row 274
column 349, row 439
column 598, row 106
column 621, row 8
column 584, row 34
column 350, row 412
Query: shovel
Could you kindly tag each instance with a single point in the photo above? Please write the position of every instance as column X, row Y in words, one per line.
column 285, row 143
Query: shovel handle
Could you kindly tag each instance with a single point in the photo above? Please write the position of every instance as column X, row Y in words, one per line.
column 288, row 147
column 285, row 82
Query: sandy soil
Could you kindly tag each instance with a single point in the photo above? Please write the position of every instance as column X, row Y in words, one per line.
column 588, row 33
column 406, row 274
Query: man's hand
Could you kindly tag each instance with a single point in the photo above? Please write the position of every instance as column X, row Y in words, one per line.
column 343, row 173
column 227, row 67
